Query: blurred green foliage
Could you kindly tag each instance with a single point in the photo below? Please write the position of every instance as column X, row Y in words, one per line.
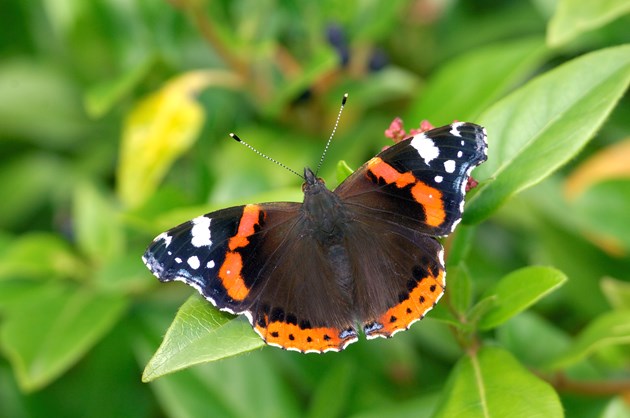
column 113, row 127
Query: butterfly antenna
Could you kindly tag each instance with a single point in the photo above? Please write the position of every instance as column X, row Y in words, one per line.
column 237, row 139
column 321, row 160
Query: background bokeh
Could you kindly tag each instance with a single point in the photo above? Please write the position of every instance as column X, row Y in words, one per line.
column 114, row 122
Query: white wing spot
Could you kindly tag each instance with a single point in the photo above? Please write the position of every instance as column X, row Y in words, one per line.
column 425, row 147
column 449, row 166
column 454, row 129
column 193, row 262
column 459, row 154
column 166, row 237
column 438, row 179
column 462, row 142
column 210, row 264
column 178, row 260
column 201, row 232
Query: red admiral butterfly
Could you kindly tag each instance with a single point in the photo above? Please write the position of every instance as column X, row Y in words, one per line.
column 306, row 274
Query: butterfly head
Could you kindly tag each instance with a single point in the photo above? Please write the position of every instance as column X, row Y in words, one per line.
column 312, row 184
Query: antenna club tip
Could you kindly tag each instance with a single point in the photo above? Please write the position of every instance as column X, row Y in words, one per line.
column 235, row 137
column 344, row 99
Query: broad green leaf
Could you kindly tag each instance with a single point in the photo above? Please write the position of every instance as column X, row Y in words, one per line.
column 464, row 87
column 609, row 329
column 575, row 17
column 330, row 397
column 519, row 290
column 100, row 98
column 491, row 383
column 200, row 333
column 40, row 255
column 99, row 232
column 617, row 408
column 617, row 292
column 604, row 209
column 517, row 334
column 39, row 103
column 561, row 245
column 51, row 329
column 161, row 128
column 209, row 390
column 31, row 180
column 419, row 406
column 539, row 127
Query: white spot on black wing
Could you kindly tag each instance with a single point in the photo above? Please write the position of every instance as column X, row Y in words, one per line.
column 425, row 147
column 200, row 232
column 166, row 237
column 193, row 262
column 438, row 179
column 455, row 129
column 449, row 166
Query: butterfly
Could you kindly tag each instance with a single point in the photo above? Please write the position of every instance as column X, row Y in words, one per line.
column 365, row 256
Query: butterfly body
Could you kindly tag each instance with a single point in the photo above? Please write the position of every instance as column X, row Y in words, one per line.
column 365, row 255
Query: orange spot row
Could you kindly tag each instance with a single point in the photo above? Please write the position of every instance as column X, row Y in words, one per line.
column 230, row 271
column 420, row 300
column 308, row 339
column 429, row 197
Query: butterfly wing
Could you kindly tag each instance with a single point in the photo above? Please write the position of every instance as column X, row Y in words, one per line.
column 400, row 201
column 242, row 259
column 419, row 182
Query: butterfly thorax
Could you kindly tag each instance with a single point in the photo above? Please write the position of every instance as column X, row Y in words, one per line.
column 323, row 210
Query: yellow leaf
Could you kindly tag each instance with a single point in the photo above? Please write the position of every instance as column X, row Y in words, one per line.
column 161, row 128
column 610, row 163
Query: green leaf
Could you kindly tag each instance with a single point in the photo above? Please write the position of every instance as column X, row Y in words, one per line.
column 200, row 333
column 343, row 171
column 617, row 408
column 609, row 329
column 542, row 125
column 40, row 255
column 46, row 332
column 604, row 207
column 517, row 334
column 459, row 288
column 31, row 180
column 100, row 98
column 330, row 398
column 575, row 17
column 617, row 292
column 491, row 383
column 209, row 390
column 519, row 290
column 161, row 128
column 39, row 103
column 464, row 87
column 98, row 229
